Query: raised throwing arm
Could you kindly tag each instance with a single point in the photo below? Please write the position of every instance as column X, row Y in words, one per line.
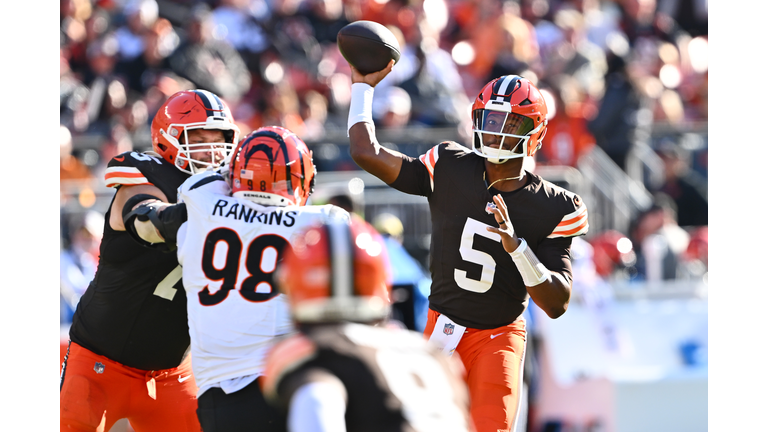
column 364, row 148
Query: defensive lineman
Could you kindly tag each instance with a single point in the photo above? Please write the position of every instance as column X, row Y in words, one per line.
column 229, row 241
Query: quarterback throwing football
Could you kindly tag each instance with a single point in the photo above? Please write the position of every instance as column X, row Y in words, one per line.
column 500, row 234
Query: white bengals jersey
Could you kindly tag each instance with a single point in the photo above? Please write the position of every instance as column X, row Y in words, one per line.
column 229, row 249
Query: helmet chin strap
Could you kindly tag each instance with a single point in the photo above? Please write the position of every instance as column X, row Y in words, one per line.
column 502, row 179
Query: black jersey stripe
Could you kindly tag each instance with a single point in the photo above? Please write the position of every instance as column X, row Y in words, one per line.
column 207, row 180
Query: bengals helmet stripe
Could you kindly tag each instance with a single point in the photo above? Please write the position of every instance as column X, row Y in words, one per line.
column 268, row 151
column 272, row 166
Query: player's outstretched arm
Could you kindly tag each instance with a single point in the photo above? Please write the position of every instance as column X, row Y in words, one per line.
column 364, row 147
column 124, row 194
column 550, row 290
column 145, row 214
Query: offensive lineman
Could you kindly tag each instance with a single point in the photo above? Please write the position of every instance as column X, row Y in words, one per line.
column 500, row 234
column 347, row 371
column 129, row 336
column 229, row 242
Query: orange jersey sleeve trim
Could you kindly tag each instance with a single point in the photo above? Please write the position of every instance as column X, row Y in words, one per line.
column 429, row 159
column 116, row 176
column 572, row 224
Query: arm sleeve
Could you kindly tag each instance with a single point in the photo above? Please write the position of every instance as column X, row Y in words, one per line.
column 318, row 406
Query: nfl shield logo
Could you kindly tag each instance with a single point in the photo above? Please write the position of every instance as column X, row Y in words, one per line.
column 99, row 367
column 489, row 207
column 448, row 329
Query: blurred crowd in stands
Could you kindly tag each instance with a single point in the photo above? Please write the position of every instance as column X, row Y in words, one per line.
column 611, row 70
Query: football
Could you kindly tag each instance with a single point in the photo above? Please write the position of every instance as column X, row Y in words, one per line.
column 368, row 46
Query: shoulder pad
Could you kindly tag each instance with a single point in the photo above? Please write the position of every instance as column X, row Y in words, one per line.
column 430, row 158
column 128, row 169
column 208, row 181
column 453, row 145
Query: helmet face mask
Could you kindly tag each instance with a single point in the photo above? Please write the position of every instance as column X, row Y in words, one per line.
column 272, row 166
column 508, row 119
column 194, row 157
column 191, row 110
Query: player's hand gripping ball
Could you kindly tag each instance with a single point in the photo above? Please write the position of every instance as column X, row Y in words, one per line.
column 368, row 46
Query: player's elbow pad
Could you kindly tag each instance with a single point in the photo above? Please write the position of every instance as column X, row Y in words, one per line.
column 142, row 222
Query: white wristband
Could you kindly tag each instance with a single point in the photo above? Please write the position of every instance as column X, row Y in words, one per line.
column 529, row 266
column 360, row 105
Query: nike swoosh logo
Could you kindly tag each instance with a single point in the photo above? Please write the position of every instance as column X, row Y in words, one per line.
column 493, row 336
column 119, row 158
column 182, row 379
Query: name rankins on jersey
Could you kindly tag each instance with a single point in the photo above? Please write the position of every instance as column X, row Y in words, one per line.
column 244, row 213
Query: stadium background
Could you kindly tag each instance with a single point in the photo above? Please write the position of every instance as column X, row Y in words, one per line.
column 642, row 360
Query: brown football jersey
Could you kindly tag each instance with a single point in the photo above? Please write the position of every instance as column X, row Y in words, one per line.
column 474, row 280
column 395, row 381
column 135, row 309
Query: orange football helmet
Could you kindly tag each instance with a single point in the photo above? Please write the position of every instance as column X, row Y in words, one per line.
column 272, row 166
column 509, row 110
column 337, row 271
column 187, row 110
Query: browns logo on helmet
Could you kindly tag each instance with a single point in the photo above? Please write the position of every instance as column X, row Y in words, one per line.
column 272, row 166
column 337, row 271
column 188, row 110
column 509, row 119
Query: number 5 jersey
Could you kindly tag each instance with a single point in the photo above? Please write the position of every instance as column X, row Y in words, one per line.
column 474, row 280
column 229, row 249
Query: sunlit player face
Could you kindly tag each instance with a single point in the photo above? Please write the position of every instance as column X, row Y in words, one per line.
column 205, row 153
column 495, row 123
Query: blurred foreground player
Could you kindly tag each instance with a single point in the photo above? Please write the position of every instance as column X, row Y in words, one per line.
column 500, row 234
column 229, row 242
column 127, row 356
column 347, row 370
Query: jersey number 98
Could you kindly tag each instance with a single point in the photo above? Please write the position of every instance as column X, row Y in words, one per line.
column 261, row 259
